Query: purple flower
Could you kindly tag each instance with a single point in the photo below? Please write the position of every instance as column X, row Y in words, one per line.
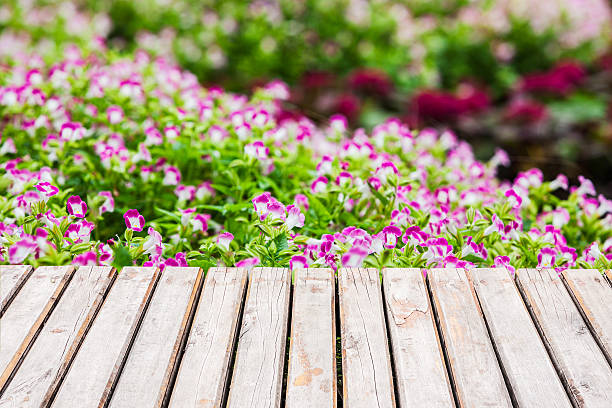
column 257, row 150
column 295, row 218
column 172, row 176
column 261, row 203
column 20, row 250
column 199, row 222
column 247, row 263
column 354, row 257
column 297, row 262
column 47, row 189
column 109, row 203
column 153, row 244
column 513, row 198
column 76, row 206
column 391, row 233
column 301, row 201
column 319, row 185
column 546, row 258
column 224, row 239
column 504, row 262
column 86, row 259
column 133, row 220
column 114, row 114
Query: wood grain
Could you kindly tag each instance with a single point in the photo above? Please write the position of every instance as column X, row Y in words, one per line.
column 97, row 365
column 311, row 377
column 477, row 376
column 12, row 278
column 204, row 368
column 260, row 356
column 530, row 373
column 28, row 312
column 579, row 360
column 366, row 367
column 421, row 376
column 593, row 295
column 58, row 341
column 145, row 378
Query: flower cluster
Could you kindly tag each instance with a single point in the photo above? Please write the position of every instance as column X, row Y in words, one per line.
column 127, row 159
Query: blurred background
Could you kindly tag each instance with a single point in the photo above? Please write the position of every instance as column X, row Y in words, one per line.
column 532, row 77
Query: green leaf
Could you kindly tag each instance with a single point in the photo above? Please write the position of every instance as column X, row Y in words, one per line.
column 578, row 108
column 122, row 258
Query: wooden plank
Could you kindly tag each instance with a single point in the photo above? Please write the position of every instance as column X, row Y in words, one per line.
column 28, row 312
column 608, row 273
column 12, row 278
column 528, row 369
column 577, row 357
column 593, row 295
column 421, row 376
column 258, row 370
column 477, row 376
column 311, row 377
column 366, row 367
column 58, row 342
column 204, row 369
column 145, row 378
column 95, row 369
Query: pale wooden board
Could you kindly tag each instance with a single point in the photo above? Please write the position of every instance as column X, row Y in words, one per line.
column 146, row 375
column 311, row 377
column 60, row 337
column 608, row 273
column 593, row 295
column 258, row 370
column 529, row 370
column 96, row 366
column 421, row 376
column 204, row 367
column 366, row 368
column 28, row 312
column 12, row 278
column 477, row 376
column 576, row 355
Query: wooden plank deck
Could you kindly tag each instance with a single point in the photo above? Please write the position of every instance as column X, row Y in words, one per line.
column 424, row 338
column 12, row 278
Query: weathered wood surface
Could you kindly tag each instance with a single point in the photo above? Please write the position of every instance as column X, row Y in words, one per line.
column 260, row 356
column 145, row 378
column 58, row 341
column 312, row 352
column 529, row 371
column 27, row 313
column 593, row 295
column 12, row 278
column 204, row 369
column 581, row 363
column 421, row 376
column 367, row 378
column 95, row 368
column 477, row 376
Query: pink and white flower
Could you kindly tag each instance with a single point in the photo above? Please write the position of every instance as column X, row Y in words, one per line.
column 108, row 205
column 76, row 206
column 133, row 220
column 248, row 263
column 224, row 239
column 47, row 189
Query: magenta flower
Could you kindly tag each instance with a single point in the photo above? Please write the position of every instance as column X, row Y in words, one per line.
column 172, row 176
column 546, row 258
column 257, row 150
column 86, row 259
column 20, row 250
column 47, row 189
column 76, row 206
column 109, row 202
column 354, row 257
column 171, row 132
column 224, row 239
column 199, row 222
column 114, row 114
column 591, row 253
column 338, row 123
column 247, row 263
column 513, row 198
column 295, row 218
column 301, row 201
column 260, row 203
column 297, row 262
column 391, row 233
column 504, row 262
column 133, row 220
column 319, row 185
column 153, row 244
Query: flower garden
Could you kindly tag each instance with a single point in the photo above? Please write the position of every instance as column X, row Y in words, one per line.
column 116, row 151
